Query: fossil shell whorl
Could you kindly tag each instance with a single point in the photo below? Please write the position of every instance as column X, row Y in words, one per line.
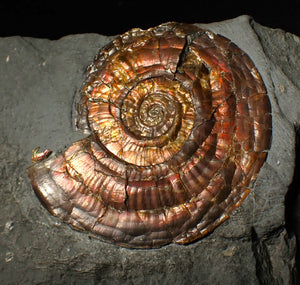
column 180, row 125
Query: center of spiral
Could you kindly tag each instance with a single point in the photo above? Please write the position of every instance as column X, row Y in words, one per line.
column 152, row 123
column 151, row 114
column 150, row 111
column 155, row 111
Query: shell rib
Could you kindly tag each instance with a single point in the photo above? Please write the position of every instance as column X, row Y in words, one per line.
column 179, row 124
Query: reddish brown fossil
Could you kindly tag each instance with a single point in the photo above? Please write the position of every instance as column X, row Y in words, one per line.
column 180, row 125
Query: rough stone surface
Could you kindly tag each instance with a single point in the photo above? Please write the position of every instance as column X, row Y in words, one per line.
column 39, row 79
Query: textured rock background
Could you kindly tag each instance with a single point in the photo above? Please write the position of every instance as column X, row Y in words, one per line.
column 39, row 79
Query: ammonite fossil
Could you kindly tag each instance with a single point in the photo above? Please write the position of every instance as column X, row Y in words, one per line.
column 180, row 124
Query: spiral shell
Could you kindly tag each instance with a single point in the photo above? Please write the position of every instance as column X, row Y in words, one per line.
column 180, row 125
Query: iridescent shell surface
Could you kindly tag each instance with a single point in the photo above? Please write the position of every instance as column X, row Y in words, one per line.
column 180, row 125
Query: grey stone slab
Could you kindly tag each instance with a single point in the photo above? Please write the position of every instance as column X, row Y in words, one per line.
column 39, row 79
